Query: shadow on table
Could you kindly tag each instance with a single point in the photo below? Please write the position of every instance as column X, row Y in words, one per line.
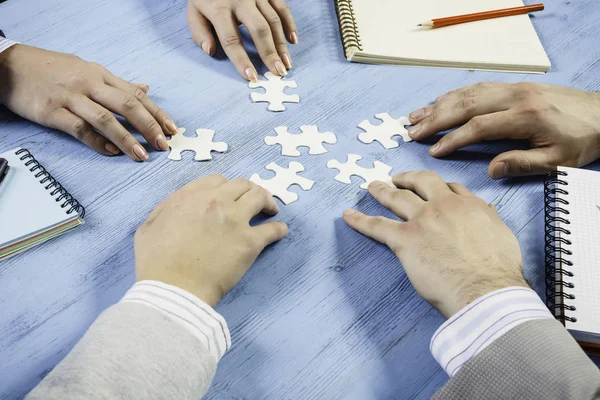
column 392, row 322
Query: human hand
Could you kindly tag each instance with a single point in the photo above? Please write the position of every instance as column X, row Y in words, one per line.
column 561, row 124
column 200, row 239
column 64, row 92
column 453, row 246
column 269, row 22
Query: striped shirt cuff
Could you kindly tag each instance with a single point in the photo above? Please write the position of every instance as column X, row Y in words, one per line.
column 477, row 325
column 185, row 309
column 5, row 44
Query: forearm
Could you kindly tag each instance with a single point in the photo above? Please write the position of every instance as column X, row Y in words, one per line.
column 144, row 347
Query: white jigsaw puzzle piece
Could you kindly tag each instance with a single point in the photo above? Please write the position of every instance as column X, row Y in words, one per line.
column 202, row 144
column 310, row 137
column 384, row 132
column 274, row 93
column 379, row 172
column 284, row 178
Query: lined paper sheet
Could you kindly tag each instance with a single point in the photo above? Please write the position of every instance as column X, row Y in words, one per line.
column 584, row 217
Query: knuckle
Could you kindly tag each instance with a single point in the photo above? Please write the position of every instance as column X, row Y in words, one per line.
column 51, row 104
column 153, row 125
column 79, row 128
column 139, row 94
column 477, row 124
column 375, row 222
column 262, row 31
column 104, row 117
column 525, row 91
column 468, row 104
column 523, row 165
column 129, row 102
column 274, row 20
column 231, row 41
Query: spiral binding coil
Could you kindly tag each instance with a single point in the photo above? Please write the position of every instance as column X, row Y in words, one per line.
column 348, row 29
column 51, row 184
column 557, row 247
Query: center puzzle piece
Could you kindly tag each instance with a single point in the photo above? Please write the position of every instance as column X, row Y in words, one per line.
column 274, row 93
column 379, row 172
column 384, row 132
column 310, row 137
column 202, row 144
column 284, row 178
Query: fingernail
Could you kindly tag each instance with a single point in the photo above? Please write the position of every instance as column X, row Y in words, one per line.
column 161, row 143
column 171, row 127
column 414, row 130
column 435, row 148
column 139, row 151
column 500, row 170
column 251, row 75
column 440, row 98
column 145, row 88
column 417, row 114
column 111, row 148
column 206, row 48
column 280, row 68
column 287, row 60
column 349, row 211
column 294, row 38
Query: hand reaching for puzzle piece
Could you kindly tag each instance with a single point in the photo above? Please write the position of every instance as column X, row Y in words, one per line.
column 284, row 178
column 379, row 172
column 202, row 144
column 310, row 137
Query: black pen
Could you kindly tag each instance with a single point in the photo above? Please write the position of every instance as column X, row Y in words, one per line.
column 4, row 167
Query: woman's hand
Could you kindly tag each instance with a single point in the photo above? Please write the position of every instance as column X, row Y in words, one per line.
column 269, row 22
column 64, row 92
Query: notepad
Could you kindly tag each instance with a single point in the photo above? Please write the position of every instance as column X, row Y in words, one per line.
column 386, row 32
column 573, row 250
column 34, row 207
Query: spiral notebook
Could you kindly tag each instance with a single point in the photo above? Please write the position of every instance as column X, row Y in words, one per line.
column 386, row 32
column 573, row 251
column 34, row 207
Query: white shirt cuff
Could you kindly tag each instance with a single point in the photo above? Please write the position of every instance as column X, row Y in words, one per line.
column 200, row 319
column 5, row 44
column 477, row 325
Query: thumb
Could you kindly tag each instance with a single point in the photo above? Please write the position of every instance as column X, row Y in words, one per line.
column 201, row 30
column 523, row 162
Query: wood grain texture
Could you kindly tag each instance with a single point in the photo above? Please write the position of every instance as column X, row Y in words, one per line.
column 326, row 313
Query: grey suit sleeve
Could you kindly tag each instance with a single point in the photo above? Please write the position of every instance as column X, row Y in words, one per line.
column 132, row 351
column 536, row 360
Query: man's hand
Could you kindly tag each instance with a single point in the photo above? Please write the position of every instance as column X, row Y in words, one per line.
column 269, row 22
column 64, row 92
column 561, row 124
column 200, row 239
column 453, row 246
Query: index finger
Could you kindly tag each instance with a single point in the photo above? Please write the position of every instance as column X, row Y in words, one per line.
column 458, row 107
column 257, row 200
column 427, row 184
column 231, row 41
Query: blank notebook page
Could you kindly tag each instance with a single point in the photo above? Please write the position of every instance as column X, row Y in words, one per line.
column 584, row 217
column 388, row 28
column 25, row 206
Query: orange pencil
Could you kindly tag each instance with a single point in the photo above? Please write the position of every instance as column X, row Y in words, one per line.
column 459, row 19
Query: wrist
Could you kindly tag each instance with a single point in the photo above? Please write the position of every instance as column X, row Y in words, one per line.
column 471, row 291
column 209, row 294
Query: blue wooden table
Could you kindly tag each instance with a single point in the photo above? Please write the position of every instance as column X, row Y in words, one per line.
column 323, row 314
